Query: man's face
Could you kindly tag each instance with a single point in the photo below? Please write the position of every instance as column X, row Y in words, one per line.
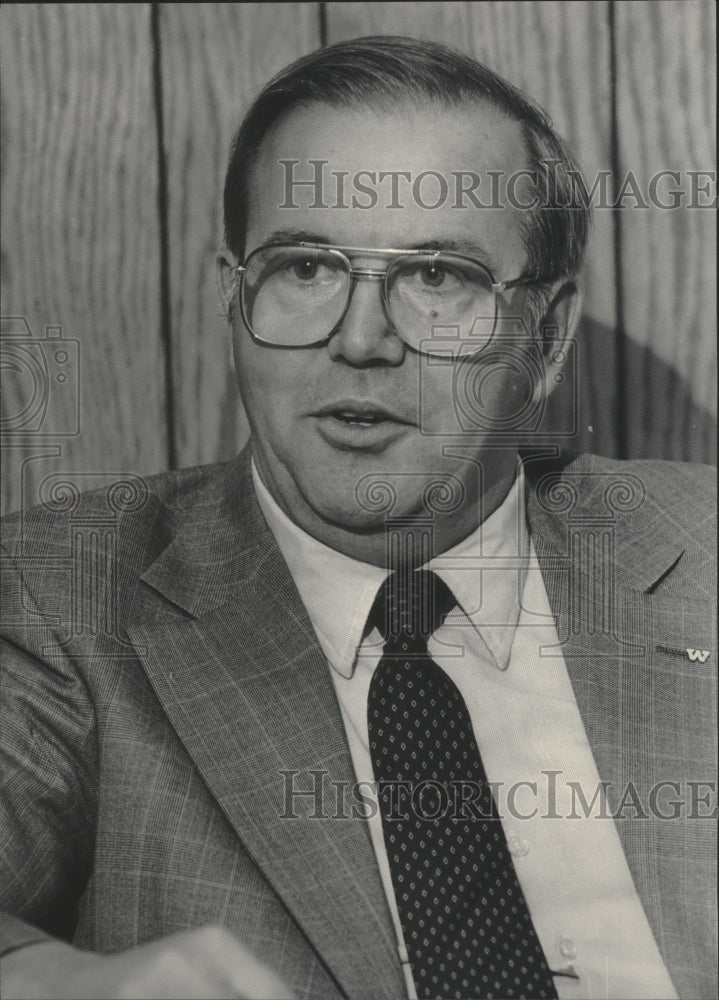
column 312, row 455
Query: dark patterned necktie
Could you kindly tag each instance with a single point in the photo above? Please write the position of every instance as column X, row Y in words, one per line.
column 465, row 920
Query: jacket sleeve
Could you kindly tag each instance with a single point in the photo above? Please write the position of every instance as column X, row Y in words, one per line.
column 47, row 764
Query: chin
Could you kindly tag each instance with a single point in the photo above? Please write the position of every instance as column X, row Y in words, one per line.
column 365, row 507
column 344, row 511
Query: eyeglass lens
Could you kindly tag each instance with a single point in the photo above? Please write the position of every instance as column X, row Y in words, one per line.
column 296, row 296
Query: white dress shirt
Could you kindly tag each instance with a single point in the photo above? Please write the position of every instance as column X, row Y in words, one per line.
column 500, row 647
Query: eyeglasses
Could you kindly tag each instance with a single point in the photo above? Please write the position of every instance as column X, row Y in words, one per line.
column 297, row 295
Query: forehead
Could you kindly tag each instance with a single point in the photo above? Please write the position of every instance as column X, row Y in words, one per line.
column 391, row 177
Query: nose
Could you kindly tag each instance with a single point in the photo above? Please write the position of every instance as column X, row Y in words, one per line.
column 365, row 336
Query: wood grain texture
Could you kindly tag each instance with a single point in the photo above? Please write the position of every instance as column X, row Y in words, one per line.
column 666, row 121
column 79, row 237
column 558, row 53
column 215, row 57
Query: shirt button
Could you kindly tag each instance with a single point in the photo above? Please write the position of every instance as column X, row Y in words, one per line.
column 518, row 847
column 568, row 948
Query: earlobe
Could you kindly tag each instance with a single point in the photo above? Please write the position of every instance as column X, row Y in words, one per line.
column 557, row 330
column 226, row 278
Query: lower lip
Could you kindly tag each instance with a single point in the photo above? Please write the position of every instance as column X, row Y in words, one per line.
column 354, row 436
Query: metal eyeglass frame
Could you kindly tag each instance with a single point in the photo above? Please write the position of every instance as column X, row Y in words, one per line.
column 498, row 287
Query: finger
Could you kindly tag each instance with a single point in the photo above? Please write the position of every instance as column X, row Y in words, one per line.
column 247, row 976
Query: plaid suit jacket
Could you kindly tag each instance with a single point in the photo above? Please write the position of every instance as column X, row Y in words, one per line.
column 161, row 679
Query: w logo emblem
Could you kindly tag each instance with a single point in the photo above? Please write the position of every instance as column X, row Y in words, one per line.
column 698, row 655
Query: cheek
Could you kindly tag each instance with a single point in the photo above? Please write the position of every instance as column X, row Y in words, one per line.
column 267, row 378
column 492, row 394
column 436, row 396
column 494, row 390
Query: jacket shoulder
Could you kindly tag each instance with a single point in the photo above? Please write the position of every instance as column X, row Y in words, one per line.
column 132, row 505
column 126, row 526
column 678, row 496
column 659, row 513
column 657, row 473
column 653, row 484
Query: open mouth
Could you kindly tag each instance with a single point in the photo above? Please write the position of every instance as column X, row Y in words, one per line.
column 350, row 424
column 359, row 413
column 358, row 419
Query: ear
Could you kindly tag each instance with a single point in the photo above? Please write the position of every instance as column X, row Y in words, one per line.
column 226, row 278
column 556, row 331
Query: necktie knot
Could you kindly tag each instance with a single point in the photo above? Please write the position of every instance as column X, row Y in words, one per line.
column 409, row 607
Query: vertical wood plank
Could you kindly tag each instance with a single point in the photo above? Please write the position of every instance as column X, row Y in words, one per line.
column 80, row 245
column 215, row 57
column 666, row 76
column 558, row 53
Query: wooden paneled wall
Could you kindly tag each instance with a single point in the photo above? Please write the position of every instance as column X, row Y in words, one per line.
column 116, row 122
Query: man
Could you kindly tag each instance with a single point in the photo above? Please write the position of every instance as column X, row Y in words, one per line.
column 376, row 592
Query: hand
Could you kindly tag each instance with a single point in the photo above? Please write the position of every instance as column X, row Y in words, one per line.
column 201, row 963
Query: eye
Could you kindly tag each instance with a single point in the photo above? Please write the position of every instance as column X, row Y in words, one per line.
column 433, row 275
column 305, row 269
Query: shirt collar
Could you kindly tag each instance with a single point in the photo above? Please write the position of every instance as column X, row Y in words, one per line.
column 485, row 572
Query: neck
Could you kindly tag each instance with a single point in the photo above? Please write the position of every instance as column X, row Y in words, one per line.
column 411, row 538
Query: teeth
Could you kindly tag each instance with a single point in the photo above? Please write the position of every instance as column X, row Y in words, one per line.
column 358, row 418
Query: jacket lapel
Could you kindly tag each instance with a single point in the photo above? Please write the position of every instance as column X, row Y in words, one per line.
column 607, row 565
column 624, row 628
column 246, row 687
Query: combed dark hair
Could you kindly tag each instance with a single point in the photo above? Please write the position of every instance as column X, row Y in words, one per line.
column 385, row 70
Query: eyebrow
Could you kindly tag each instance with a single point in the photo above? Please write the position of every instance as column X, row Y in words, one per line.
column 293, row 236
column 467, row 247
